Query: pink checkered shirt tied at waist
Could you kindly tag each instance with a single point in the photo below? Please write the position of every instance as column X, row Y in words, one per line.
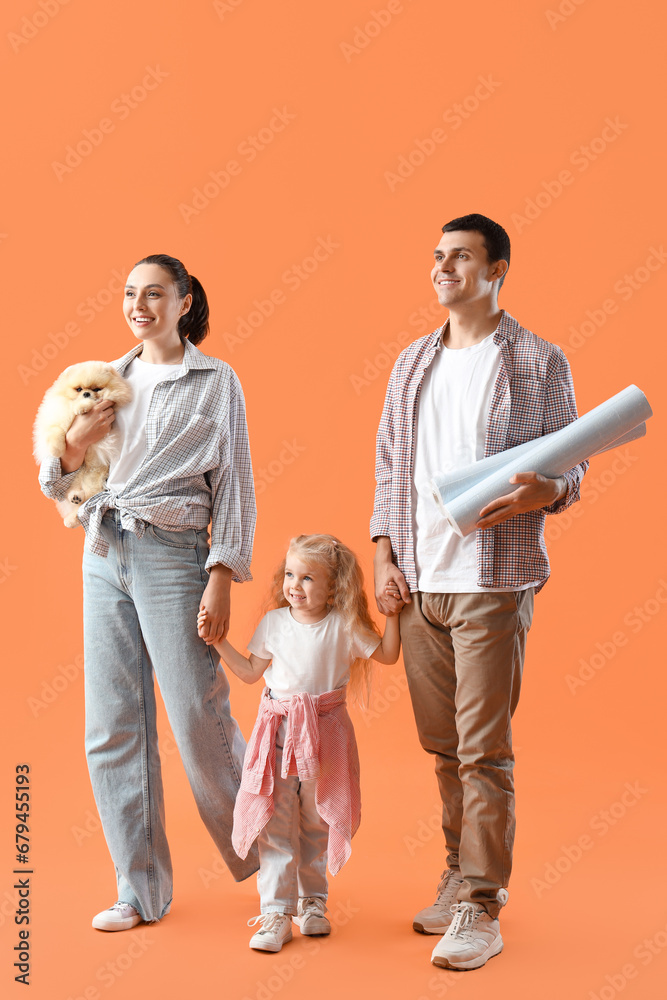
column 319, row 743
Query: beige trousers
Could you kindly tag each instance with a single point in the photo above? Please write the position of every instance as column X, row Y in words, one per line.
column 463, row 657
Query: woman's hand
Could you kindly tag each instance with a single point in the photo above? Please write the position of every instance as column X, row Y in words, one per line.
column 216, row 602
column 86, row 429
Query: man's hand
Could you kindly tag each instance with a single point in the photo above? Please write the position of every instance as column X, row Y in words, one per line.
column 391, row 590
column 216, row 602
column 535, row 491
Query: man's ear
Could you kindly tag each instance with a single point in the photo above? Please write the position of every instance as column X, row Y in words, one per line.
column 499, row 269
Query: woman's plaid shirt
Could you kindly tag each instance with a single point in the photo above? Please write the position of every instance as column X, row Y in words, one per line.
column 533, row 395
column 197, row 467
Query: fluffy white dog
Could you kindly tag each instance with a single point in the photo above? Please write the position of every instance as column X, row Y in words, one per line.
column 75, row 391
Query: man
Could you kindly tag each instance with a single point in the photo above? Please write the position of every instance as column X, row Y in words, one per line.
column 476, row 386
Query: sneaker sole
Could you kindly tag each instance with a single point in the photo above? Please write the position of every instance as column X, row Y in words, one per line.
column 270, row 947
column 472, row 963
column 421, row 929
column 100, row 924
column 322, row 932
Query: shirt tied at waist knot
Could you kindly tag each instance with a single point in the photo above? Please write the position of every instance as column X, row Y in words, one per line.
column 319, row 744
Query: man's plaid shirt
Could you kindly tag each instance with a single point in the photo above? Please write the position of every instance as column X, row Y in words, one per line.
column 197, row 466
column 533, row 395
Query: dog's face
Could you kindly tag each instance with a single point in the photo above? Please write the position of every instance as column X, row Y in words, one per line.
column 84, row 384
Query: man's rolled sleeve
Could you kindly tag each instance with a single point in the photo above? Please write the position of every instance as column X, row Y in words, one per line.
column 53, row 483
column 233, row 509
column 380, row 518
column 559, row 411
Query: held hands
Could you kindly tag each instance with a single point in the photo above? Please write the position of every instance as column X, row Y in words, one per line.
column 391, row 590
column 534, row 492
column 215, row 606
column 202, row 624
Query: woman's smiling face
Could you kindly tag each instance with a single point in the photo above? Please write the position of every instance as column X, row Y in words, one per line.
column 151, row 305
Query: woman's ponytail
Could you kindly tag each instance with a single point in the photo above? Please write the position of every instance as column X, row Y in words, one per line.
column 194, row 325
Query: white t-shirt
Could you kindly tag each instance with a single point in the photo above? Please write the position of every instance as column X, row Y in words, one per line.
column 311, row 658
column 130, row 421
column 450, row 433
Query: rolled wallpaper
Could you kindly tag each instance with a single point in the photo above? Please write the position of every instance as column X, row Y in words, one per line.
column 462, row 493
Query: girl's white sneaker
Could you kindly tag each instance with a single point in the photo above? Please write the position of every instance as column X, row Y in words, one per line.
column 275, row 931
column 310, row 916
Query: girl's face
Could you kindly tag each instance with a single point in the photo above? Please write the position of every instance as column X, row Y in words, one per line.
column 307, row 587
column 151, row 306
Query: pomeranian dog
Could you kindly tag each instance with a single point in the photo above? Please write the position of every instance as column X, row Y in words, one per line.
column 76, row 391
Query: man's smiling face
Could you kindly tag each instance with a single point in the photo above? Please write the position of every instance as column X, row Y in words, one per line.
column 462, row 271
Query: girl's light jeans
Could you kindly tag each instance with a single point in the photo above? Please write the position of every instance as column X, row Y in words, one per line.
column 292, row 845
column 140, row 611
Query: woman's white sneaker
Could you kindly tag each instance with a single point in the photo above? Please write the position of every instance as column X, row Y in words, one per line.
column 472, row 938
column 276, row 930
column 119, row 917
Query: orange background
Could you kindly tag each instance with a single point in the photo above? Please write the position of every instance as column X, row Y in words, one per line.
column 584, row 894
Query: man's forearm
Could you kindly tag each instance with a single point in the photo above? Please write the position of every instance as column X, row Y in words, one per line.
column 383, row 550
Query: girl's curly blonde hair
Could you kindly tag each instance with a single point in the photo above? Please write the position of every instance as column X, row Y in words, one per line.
column 348, row 596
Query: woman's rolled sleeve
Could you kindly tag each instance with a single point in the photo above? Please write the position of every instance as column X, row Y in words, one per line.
column 233, row 509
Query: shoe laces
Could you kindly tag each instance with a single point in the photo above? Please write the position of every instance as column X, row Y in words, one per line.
column 310, row 904
column 122, row 906
column 449, row 885
column 269, row 921
column 465, row 918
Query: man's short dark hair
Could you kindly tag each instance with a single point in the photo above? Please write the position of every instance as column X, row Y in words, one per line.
column 496, row 240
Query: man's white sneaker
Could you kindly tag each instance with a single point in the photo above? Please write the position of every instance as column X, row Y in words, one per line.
column 275, row 931
column 119, row 917
column 310, row 916
column 471, row 939
column 437, row 918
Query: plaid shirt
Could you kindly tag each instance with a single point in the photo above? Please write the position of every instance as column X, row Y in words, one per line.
column 197, row 467
column 533, row 395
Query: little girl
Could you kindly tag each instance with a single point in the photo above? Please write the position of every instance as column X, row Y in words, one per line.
column 300, row 787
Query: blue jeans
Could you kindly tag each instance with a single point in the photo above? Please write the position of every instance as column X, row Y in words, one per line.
column 140, row 610
column 292, row 845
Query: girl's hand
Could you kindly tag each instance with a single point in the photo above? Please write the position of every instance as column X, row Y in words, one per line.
column 216, row 605
column 201, row 620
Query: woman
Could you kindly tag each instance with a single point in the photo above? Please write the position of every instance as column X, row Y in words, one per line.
column 148, row 570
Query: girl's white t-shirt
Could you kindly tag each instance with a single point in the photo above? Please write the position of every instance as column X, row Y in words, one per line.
column 450, row 433
column 311, row 658
column 130, row 422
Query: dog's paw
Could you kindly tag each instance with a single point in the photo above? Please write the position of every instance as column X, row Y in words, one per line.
column 75, row 498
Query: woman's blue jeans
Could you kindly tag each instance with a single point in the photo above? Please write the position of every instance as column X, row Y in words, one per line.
column 140, row 611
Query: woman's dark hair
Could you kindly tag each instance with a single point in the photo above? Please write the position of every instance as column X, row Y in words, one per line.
column 193, row 326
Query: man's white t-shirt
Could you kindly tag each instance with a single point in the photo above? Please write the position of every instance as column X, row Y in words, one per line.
column 308, row 657
column 450, row 433
column 130, row 420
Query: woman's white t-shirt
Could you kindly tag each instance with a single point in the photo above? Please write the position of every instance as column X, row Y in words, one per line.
column 130, row 422
column 308, row 657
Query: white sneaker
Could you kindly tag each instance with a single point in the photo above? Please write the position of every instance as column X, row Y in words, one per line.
column 275, row 931
column 119, row 917
column 471, row 939
column 310, row 916
column 437, row 918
